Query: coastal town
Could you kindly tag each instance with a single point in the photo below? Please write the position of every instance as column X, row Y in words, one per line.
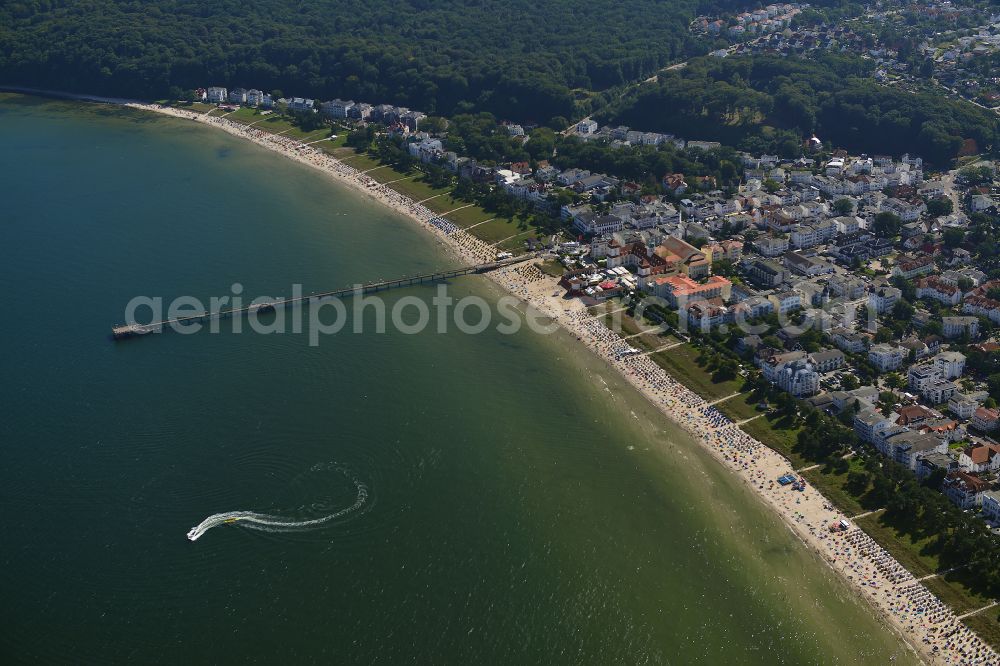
column 732, row 393
column 851, row 285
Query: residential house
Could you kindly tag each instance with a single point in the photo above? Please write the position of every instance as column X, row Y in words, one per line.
column 337, row 108
column 883, row 299
column 950, row 364
column 991, row 506
column 771, row 246
column 216, row 95
column 766, row 273
column 915, row 267
column 979, row 458
column 791, row 372
column 982, row 306
column 886, row 358
column 962, row 406
column 935, row 288
column 920, row 376
column 255, row 97
column 929, row 463
column 956, row 327
column 301, row 104
column 850, row 341
column 827, row 360
column 907, row 446
column 870, row 425
column 808, row 266
column 985, row 419
column 786, row 301
column 939, row 391
column 360, row 111
column 964, row 490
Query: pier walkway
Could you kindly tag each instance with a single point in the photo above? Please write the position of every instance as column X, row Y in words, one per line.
column 123, row 331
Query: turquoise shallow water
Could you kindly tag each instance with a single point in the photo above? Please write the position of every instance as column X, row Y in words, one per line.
column 523, row 505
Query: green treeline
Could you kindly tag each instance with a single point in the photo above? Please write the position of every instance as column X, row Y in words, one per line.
column 770, row 103
column 518, row 59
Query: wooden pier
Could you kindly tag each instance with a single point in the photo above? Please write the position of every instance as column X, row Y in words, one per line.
column 124, row 331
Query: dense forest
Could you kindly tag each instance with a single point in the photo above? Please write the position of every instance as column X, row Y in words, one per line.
column 746, row 101
column 521, row 60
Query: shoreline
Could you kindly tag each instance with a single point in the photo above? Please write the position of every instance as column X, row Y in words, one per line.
column 925, row 625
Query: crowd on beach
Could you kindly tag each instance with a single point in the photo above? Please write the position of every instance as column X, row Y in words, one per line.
column 929, row 625
column 914, row 610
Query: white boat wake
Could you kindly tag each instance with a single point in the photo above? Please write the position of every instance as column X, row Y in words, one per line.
column 268, row 523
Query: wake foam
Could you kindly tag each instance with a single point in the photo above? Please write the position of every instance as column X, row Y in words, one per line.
column 268, row 523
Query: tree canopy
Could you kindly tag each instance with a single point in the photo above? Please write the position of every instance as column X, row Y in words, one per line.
column 772, row 103
column 521, row 60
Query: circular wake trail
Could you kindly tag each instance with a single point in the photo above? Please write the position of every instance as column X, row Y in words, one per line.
column 269, row 523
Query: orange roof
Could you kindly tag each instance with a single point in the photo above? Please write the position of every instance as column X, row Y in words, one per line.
column 682, row 285
column 982, row 454
column 987, row 414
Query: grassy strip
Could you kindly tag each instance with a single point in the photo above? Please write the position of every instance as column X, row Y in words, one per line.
column 986, row 625
column 516, row 245
column 245, row 115
column 681, row 363
column 550, row 267
column 739, row 408
column 497, row 230
column 416, row 189
column 466, row 217
column 363, row 162
column 778, row 434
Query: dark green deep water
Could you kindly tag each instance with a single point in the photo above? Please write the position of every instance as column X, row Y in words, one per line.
column 524, row 506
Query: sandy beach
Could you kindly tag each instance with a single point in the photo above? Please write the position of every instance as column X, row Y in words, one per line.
column 929, row 627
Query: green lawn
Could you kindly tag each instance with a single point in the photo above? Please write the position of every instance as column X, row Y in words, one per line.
column 681, row 363
column 778, row 434
column 199, row 107
column 739, row 408
column 384, row 174
column 834, row 488
column 306, row 135
column 339, row 142
column 516, row 245
column 362, row 162
column 551, row 267
column 277, row 124
column 245, row 115
column 417, row 189
column 497, row 230
column 445, row 204
column 987, row 625
column 468, row 216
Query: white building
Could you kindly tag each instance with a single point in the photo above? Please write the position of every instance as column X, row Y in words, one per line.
column 217, row 95
column 883, row 299
column 950, row 364
column 955, row 327
column 991, row 506
column 337, row 108
column 886, row 358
